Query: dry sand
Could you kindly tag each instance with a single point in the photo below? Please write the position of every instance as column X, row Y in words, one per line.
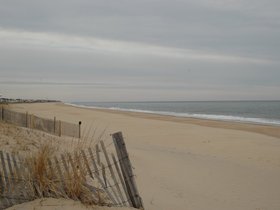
column 59, row 204
column 187, row 163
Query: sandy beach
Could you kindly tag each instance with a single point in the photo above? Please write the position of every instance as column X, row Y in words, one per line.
column 188, row 164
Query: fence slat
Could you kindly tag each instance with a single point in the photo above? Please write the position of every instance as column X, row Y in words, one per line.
column 86, row 163
column 29, row 174
column 74, row 169
column 93, row 161
column 16, row 166
column 119, row 203
column 2, row 113
column 79, row 166
column 93, row 189
column 6, row 202
column 60, row 176
column 29, row 121
column 127, row 170
column 96, row 174
column 65, row 164
column 50, row 166
column 7, row 183
column 19, row 175
column 23, row 166
column 112, row 172
column 26, row 119
column 97, row 154
column 10, row 167
column 11, row 177
column 54, row 125
column 32, row 121
column 2, row 183
column 104, row 175
column 108, row 185
column 23, row 170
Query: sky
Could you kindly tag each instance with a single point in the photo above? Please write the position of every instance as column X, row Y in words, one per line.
column 140, row 50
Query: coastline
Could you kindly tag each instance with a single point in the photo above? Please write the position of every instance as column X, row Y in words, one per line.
column 266, row 129
column 187, row 163
column 221, row 117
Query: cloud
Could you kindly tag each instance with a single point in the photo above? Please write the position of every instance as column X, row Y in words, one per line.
column 91, row 44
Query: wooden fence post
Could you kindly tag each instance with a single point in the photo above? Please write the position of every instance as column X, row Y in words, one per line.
column 126, row 169
column 59, row 131
column 80, row 124
column 54, row 122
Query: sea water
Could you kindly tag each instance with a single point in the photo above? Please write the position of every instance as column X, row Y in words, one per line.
column 260, row 112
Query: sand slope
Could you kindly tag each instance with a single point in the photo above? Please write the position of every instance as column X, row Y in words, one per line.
column 59, row 204
column 190, row 164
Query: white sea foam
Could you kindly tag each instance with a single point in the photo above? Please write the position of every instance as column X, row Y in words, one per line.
column 191, row 115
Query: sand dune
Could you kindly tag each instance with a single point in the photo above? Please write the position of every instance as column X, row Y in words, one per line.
column 186, row 163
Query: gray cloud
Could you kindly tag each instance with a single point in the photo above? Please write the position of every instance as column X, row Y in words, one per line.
column 150, row 50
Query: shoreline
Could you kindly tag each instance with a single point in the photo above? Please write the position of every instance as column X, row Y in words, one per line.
column 225, row 117
column 265, row 129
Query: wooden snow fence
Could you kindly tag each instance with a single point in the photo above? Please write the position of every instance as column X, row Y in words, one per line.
column 52, row 126
column 108, row 177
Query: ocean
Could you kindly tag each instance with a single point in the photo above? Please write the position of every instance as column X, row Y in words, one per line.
column 258, row 112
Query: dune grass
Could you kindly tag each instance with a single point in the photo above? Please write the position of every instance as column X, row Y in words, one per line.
column 45, row 181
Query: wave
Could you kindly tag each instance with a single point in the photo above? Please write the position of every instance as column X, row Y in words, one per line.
column 231, row 118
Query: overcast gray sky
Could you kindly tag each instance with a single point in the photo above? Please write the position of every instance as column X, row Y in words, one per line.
column 133, row 50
